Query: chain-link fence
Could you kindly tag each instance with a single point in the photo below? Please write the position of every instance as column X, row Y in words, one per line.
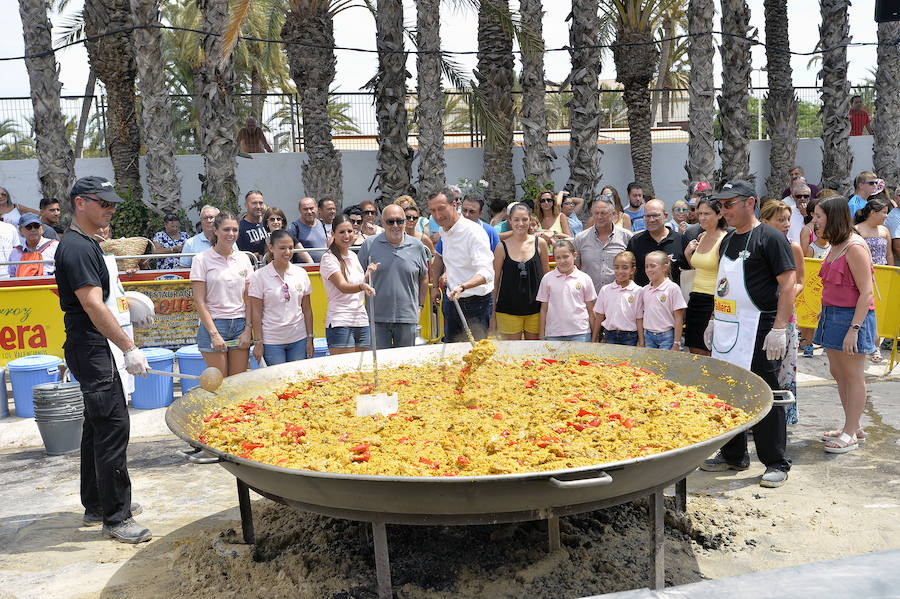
column 355, row 127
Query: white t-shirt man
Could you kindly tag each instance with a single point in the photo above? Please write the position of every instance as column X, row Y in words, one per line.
column 9, row 238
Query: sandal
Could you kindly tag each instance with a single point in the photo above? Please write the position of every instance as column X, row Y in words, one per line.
column 842, row 444
column 832, row 435
column 876, row 357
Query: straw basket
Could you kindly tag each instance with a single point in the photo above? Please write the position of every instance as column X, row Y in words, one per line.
column 126, row 246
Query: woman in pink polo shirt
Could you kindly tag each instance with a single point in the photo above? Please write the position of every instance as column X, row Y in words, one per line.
column 567, row 298
column 661, row 306
column 280, row 311
column 346, row 322
column 219, row 278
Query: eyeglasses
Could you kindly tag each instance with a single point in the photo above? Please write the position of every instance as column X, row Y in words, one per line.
column 568, row 203
column 546, row 200
column 31, row 226
column 873, row 183
column 356, row 221
column 679, row 210
column 103, row 203
column 369, row 212
column 801, row 196
column 273, row 218
column 523, row 269
column 652, row 216
column 412, row 218
column 731, row 203
column 286, row 291
column 394, row 222
column 208, row 218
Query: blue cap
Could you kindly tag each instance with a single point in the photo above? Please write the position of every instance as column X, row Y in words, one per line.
column 28, row 218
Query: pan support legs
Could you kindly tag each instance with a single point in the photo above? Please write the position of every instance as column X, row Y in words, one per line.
column 382, row 560
column 658, row 539
column 246, row 512
column 681, row 495
column 553, row 533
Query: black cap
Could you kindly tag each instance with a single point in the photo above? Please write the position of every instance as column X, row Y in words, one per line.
column 735, row 188
column 170, row 217
column 98, row 186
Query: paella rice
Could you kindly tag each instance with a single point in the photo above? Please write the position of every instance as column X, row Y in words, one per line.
column 515, row 416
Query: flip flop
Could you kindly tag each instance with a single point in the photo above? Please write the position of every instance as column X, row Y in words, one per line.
column 832, row 435
column 876, row 357
column 842, row 444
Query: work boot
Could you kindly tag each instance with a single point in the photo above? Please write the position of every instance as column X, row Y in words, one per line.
column 127, row 531
column 97, row 519
column 720, row 464
column 774, row 477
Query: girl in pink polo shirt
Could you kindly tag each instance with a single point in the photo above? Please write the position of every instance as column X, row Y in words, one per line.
column 660, row 306
column 616, row 306
column 567, row 298
column 280, row 310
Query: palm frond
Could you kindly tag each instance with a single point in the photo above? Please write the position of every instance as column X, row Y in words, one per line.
column 233, row 31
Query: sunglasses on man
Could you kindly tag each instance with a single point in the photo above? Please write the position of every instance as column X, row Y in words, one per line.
column 32, row 226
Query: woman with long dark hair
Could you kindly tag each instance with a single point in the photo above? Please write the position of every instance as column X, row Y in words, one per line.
column 703, row 256
column 846, row 327
column 548, row 212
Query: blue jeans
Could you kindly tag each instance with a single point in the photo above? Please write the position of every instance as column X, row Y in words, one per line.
column 394, row 334
column 584, row 337
column 662, row 340
column 229, row 328
column 344, row 337
column 279, row 353
column 621, row 337
column 477, row 310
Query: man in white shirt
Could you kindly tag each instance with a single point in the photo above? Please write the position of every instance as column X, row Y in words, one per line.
column 467, row 257
column 798, row 200
column 202, row 241
column 9, row 238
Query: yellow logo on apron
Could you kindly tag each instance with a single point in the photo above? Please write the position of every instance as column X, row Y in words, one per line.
column 122, row 303
column 725, row 306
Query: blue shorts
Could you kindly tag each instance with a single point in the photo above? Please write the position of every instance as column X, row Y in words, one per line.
column 344, row 337
column 834, row 322
column 621, row 337
column 583, row 337
column 229, row 329
column 661, row 340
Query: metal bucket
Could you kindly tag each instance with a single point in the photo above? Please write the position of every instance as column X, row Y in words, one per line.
column 59, row 414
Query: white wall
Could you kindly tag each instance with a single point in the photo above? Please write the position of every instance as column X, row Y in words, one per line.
column 278, row 175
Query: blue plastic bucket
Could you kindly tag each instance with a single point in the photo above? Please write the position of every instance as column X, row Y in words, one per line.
column 190, row 361
column 320, row 347
column 25, row 373
column 155, row 391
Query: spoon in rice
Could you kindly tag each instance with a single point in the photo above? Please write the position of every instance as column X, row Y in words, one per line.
column 370, row 404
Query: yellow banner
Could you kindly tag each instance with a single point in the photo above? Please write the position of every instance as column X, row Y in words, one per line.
column 31, row 322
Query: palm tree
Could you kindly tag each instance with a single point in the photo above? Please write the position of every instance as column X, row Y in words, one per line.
column 538, row 153
column 112, row 59
column 493, row 94
column 636, row 56
column 312, row 68
column 671, row 15
column 56, row 162
column 701, row 162
column 735, row 150
column 780, row 107
column 834, row 34
column 394, row 158
column 429, row 111
column 217, row 124
column 887, row 103
column 584, row 155
column 165, row 186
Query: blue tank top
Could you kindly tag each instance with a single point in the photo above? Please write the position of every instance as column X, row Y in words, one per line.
column 637, row 219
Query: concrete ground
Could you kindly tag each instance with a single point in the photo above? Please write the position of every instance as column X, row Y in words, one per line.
column 832, row 506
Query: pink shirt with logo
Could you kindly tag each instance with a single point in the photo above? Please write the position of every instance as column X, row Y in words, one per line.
column 282, row 314
column 566, row 296
column 657, row 305
column 619, row 306
column 226, row 280
column 344, row 309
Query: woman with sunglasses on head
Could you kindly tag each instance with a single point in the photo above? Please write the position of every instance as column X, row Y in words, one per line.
column 370, row 215
column 411, row 212
column 219, row 279
column 520, row 262
column 553, row 222
column 275, row 220
column 346, row 320
column 279, row 304
column 703, row 256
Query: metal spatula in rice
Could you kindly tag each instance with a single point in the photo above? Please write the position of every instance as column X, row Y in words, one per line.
column 369, row 404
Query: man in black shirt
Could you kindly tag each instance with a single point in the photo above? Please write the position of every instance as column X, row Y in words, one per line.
column 252, row 233
column 657, row 237
column 96, row 318
column 753, row 301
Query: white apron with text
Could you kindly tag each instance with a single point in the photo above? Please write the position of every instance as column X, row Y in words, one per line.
column 736, row 316
column 118, row 305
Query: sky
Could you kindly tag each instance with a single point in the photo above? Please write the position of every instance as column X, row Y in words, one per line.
column 355, row 28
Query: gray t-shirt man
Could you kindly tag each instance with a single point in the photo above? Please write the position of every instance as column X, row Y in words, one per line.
column 400, row 281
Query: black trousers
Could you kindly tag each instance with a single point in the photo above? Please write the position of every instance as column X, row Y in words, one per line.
column 477, row 310
column 770, row 433
column 105, row 485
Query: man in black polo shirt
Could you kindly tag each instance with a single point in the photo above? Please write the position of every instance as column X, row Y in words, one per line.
column 97, row 344
column 657, row 237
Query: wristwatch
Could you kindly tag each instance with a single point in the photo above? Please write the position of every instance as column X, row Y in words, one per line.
column 856, row 327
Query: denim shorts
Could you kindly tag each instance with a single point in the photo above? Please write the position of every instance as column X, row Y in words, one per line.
column 344, row 337
column 834, row 322
column 229, row 329
column 662, row 340
column 279, row 353
column 584, row 337
column 621, row 337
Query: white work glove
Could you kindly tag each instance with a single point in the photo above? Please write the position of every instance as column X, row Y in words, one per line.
column 140, row 309
column 775, row 344
column 708, row 335
column 136, row 362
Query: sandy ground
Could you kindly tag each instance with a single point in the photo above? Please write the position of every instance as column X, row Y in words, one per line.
column 831, row 507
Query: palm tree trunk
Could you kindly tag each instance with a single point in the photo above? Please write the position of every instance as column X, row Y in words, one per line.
column 733, row 123
column 887, row 103
column 256, row 91
column 495, row 83
column 781, row 103
column 701, row 162
column 217, row 123
column 834, row 33
column 430, row 95
column 165, row 185
column 312, row 69
column 584, row 119
column 635, row 65
column 56, row 163
column 538, row 153
column 112, row 59
column 394, row 159
column 85, row 111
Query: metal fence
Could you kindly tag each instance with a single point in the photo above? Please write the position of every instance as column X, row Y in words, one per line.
column 355, row 126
